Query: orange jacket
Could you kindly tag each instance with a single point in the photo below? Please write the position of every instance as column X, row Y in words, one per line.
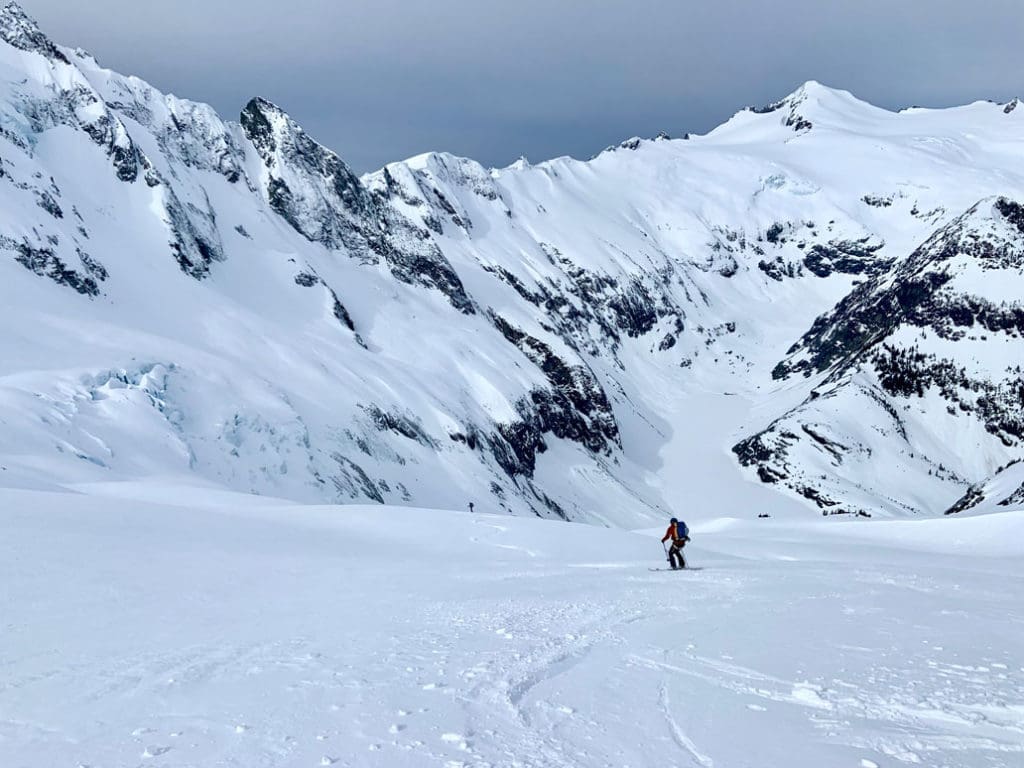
column 670, row 534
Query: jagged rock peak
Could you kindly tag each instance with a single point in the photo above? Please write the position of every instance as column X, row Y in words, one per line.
column 308, row 184
column 272, row 132
column 20, row 30
column 263, row 121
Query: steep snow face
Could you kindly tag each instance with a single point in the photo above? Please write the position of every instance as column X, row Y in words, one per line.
column 184, row 296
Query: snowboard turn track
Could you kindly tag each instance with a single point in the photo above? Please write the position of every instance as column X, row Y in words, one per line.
column 252, row 634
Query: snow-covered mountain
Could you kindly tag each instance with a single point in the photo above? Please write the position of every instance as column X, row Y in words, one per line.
column 819, row 297
column 922, row 374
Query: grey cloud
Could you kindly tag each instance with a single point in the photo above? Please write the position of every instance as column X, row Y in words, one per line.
column 379, row 80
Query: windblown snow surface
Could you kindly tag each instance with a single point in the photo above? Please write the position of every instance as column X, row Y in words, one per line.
column 157, row 625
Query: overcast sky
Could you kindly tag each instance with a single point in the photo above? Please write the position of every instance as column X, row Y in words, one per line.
column 380, row 80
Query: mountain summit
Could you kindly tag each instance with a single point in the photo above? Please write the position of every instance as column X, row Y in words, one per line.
column 21, row 31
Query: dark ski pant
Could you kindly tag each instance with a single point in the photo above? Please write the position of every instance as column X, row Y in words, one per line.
column 676, row 552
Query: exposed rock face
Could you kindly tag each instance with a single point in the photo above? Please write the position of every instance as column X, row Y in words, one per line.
column 314, row 191
column 20, row 31
column 44, row 262
column 308, row 185
column 190, row 133
column 849, row 258
column 919, row 292
column 574, row 408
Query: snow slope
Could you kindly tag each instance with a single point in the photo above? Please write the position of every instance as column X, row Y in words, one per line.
column 158, row 625
column 183, row 296
column 925, row 354
column 1003, row 490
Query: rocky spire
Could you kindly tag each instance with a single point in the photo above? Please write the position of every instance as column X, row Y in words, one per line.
column 309, row 184
column 20, row 30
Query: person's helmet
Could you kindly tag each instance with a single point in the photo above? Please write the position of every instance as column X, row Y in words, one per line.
column 673, row 520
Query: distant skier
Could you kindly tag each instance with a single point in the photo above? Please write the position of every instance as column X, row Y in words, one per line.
column 471, row 507
column 679, row 535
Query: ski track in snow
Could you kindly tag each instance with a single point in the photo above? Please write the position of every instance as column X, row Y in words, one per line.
column 685, row 742
column 298, row 637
